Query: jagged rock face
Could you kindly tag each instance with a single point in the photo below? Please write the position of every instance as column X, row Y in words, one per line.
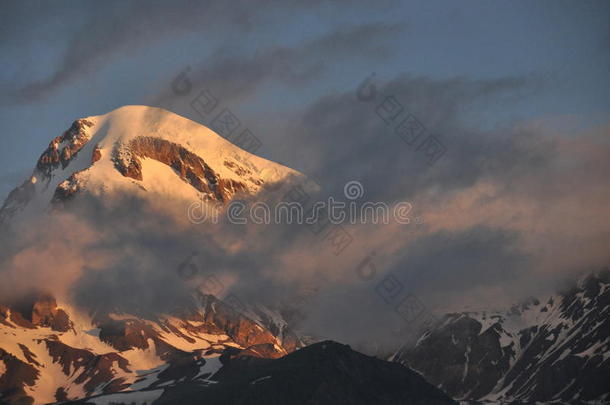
column 16, row 377
column 214, row 318
column 67, row 188
column 220, row 317
column 554, row 349
column 63, row 148
column 46, row 313
column 38, row 309
column 61, row 152
column 47, row 357
column 95, row 370
column 190, row 167
column 126, row 334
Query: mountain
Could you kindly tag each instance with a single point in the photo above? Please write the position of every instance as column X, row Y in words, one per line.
column 139, row 149
column 323, row 373
column 53, row 353
column 208, row 353
column 60, row 346
column 551, row 349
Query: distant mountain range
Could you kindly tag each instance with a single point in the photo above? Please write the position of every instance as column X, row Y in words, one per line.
column 552, row 349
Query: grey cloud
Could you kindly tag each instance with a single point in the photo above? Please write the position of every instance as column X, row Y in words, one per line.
column 455, row 262
column 99, row 32
column 237, row 76
column 337, row 128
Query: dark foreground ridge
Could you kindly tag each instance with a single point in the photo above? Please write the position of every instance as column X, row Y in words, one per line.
column 323, row 373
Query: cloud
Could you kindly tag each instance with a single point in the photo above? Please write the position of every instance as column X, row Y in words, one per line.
column 98, row 34
column 483, row 243
column 339, row 138
column 505, row 209
column 238, row 75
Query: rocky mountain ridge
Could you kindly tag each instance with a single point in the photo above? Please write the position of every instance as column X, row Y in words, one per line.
column 49, row 356
column 546, row 350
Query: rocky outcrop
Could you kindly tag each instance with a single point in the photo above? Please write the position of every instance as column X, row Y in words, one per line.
column 189, row 167
column 17, row 376
column 46, row 313
column 34, row 310
column 214, row 317
column 96, row 154
column 67, row 188
column 60, row 152
column 11, row 318
column 220, row 317
column 64, row 148
column 92, row 370
column 126, row 334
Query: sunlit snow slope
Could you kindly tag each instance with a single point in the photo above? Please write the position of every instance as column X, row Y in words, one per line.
column 141, row 149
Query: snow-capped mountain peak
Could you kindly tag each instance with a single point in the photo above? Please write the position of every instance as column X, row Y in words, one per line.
column 141, row 149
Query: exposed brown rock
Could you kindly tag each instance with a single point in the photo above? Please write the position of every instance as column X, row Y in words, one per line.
column 220, row 317
column 237, row 169
column 96, row 155
column 61, row 394
column 37, row 309
column 46, row 313
column 67, row 188
column 18, row 375
column 188, row 166
column 126, row 334
column 70, row 143
column 18, row 319
column 5, row 316
column 92, row 369
column 29, row 356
